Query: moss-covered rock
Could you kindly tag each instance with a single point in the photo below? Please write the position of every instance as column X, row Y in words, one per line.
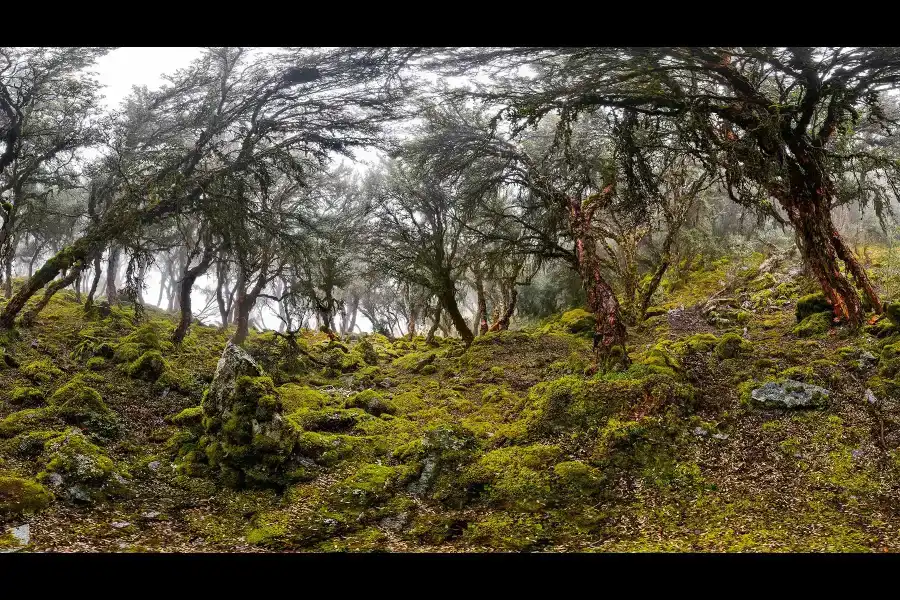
column 149, row 366
column 246, row 440
column 815, row 324
column 79, row 404
column 27, row 396
column 732, row 345
column 812, row 304
column 41, row 371
column 80, row 470
column 578, row 321
column 517, row 478
column 21, row 496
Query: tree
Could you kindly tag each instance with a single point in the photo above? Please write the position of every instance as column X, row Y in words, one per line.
column 771, row 119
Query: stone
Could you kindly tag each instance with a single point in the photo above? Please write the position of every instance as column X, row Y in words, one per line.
column 700, row 432
column 720, row 436
column 234, row 363
column 870, row 397
column 150, row 515
column 22, row 535
column 153, row 466
column 790, row 394
column 120, row 524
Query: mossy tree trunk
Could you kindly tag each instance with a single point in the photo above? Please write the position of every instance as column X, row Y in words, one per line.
column 447, row 298
column 67, row 280
column 112, row 271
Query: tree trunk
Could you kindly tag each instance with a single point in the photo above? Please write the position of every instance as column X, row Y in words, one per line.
column 29, row 317
column 89, row 303
column 111, row 273
column 429, row 339
column 821, row 247
column 509, row 310
column 187, row 284
column 8, row 283
column 448, row 299
column 609, row 329
column 482, row 317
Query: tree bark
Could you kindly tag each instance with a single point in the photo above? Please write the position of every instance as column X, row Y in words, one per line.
column 29, row 317
column 448, row 300
column 609, row 329
column 482, row 317
column 509, row 310
column 111, row 273
column 821, row 247
column 429, row 339
column 187, row 284
column 95, row 282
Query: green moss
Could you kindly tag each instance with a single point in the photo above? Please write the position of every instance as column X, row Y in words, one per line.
column 22, row 496
column 149, row 366
column 79, row 404
column 294, row 397
column 812, row 304
column 96, row 363
column 699, row 342
column 372, row 483
column 815, row 324
column 518, row 477
column 127, row 352
column 25, row 420
column 578, row 321
column 372, row 402
column 506, row 531
column 27, row 396
column 189, row 417
column 732, row 345
column 87, row 473
column 41, row 371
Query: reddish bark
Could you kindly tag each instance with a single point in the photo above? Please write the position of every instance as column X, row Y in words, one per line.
column 609, row 330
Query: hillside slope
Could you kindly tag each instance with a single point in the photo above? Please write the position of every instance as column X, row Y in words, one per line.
column 513, row 444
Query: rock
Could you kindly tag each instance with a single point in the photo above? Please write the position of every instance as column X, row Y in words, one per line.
column 790, row 394
column 21, row 537
column 120, row 524
column 700, row 432
column 867, row 359
column 55, row 479
column 720, row 436
column 150, row 515
column 395, row 523
column 243, row 434
column 153, row 466
column 870, row 397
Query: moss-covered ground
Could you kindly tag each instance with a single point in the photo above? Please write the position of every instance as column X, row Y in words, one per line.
column 514, row 444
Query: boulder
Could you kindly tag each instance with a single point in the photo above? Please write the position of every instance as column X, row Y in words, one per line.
column 243, row 435
column 790, row 394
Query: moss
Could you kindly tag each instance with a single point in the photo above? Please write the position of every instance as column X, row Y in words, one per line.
column 22, row 496
column 812, row 304
column 506, row 531
column 518, row 477
column 189, row 417
column 732, row 345
column 127, row 352
column 78, row 404
column 80, row 469
column 96, row 363
column 372, row 483
column 699, row 342
column 25, row 420
column 149, row 366
column 294, row 397
column 578, row 478
column 27, row 396
column 815, row 324
column 372, row 402
column 41, row 371
column 578, row 321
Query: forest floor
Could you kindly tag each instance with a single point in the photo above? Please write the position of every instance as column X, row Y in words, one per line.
column 511, row 445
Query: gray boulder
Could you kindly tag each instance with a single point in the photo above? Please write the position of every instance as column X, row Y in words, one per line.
column 790, row 394
column 235, row 363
